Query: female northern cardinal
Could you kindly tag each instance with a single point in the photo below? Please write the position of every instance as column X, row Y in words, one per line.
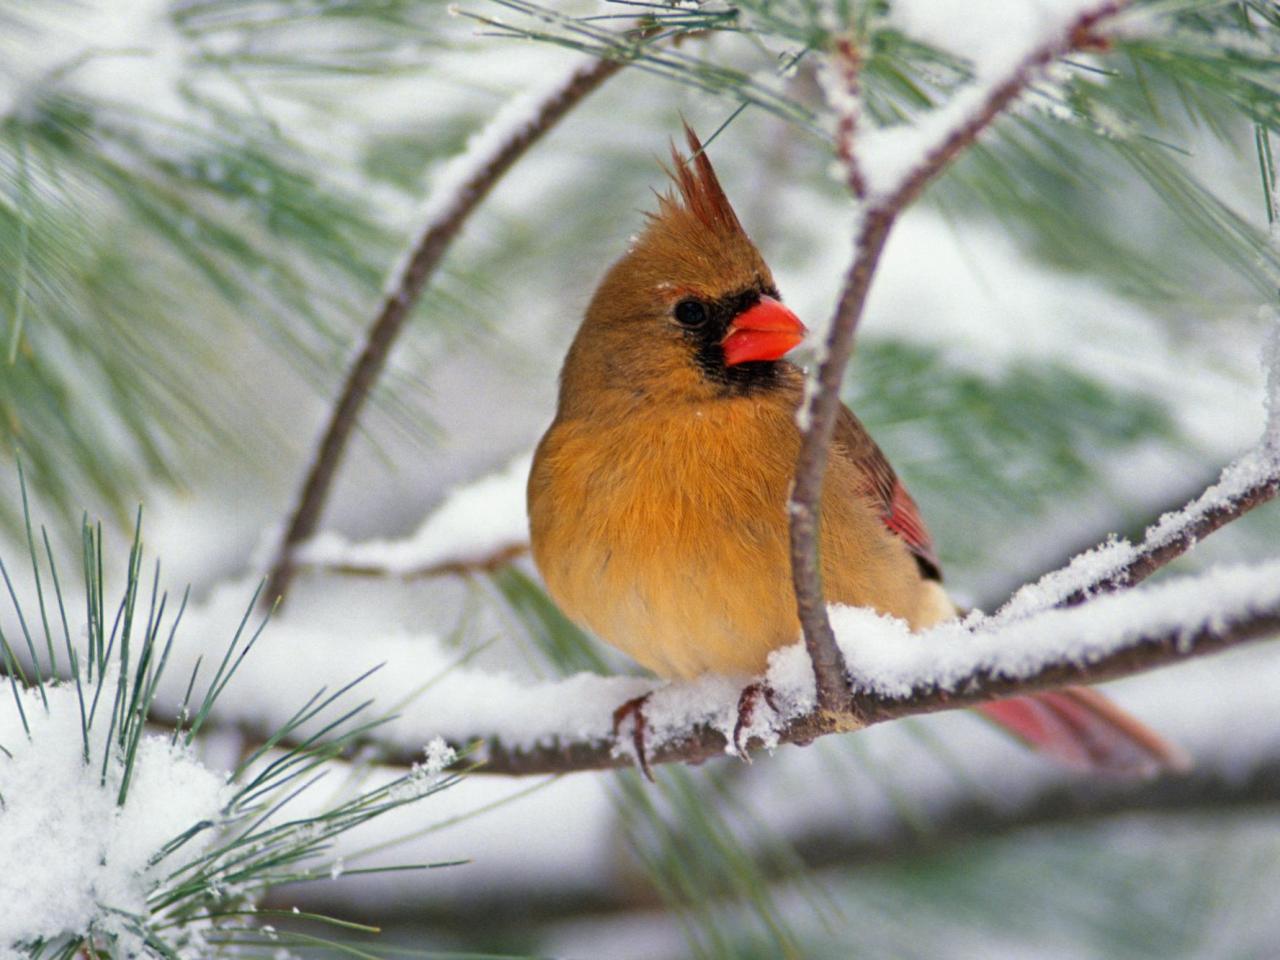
column 657, row 498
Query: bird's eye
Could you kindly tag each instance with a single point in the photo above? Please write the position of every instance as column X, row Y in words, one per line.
column 691, row 313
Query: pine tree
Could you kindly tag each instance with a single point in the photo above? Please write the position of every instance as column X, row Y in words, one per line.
column 224, row 223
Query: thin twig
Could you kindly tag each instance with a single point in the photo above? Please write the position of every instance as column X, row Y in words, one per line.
column 445, row 568
column 1156, row 551
column 820, row 413
column 994, row 597
column 806, row 493
column 846, row 63
column 1247, row 483
column 398, row 303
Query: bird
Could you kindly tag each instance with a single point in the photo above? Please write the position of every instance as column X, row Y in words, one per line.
column 657, row 496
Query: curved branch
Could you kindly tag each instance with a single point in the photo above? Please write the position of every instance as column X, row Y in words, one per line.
column 492, row 159
column 819, row 416
column 1159, row 547
column 1247, row 483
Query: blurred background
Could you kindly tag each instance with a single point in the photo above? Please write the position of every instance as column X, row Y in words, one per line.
column 201, row 201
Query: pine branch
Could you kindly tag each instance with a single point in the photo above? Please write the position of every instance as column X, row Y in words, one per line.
column 819, row 416
column 1137, row 632
column 447, row 214
column 703, row 742
column 1249, row 482
column 1157, row 549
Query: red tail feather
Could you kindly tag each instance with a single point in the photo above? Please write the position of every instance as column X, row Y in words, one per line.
column 1083, row 729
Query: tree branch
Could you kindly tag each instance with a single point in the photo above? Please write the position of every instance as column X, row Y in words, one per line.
column 703, row 742
column 819, row 416
column 475, row 566
column 1209, row 513
column 485, row 167
column 1249, row 482
column 1139, row 631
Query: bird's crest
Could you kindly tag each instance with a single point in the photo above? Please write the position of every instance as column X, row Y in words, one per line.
column 700, row 193
column 695, row 238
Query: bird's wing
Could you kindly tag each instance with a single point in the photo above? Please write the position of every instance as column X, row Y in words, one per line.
column 1075, row 725
column 898, row 511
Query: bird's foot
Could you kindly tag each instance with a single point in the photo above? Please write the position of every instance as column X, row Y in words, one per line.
column 748, row 703
column 634, row 708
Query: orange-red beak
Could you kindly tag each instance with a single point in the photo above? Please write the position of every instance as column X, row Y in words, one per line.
column 763, row 332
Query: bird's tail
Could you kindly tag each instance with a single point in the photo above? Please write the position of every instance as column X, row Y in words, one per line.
column 1081, row 728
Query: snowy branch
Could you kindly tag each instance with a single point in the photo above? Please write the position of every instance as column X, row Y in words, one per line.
column 1249, row 482
column 889, row 188
column 841, row 85
column 464, row 184
column 520, row 729
column 476, row 529
column 1169, row 644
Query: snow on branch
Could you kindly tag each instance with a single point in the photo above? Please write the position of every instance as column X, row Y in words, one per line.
column 566, row 725
column 890, row 168
column 477, row 528
column 464, row 183
column 1249, row 482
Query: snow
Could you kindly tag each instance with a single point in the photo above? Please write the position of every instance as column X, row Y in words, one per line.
column 297, row 656
column 1271, row 365
column 468, row 703
column 130, row 50
column 885, row 658
column 84, row 861
column 1088, row 569
column 439, row 756
column 475, row 521
column 997, row 37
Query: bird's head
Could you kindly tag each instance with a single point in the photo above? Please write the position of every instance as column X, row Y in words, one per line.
column 691, row 308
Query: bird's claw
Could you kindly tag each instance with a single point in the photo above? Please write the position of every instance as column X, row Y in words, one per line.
column 635, row 709
column 751, row 696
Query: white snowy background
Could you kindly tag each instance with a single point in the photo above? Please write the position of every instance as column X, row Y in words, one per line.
column 455, row 660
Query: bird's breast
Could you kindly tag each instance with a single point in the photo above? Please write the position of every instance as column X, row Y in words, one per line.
column 668, row 538
column 666, row 535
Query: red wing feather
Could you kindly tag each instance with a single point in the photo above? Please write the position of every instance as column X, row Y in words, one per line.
column 898, row 511
column 1075, row 725
column 903, row 518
